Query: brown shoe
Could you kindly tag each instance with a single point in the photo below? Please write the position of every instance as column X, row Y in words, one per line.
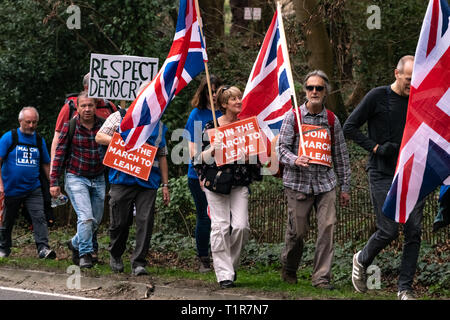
column 204, row 264
column 289, row 276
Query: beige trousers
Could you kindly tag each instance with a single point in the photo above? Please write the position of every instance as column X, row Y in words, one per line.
column 299, row 210
column 227, row 211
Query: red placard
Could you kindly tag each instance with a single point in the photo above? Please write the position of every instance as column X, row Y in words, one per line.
column 238, row 139
column 137, row 163
column 317, row 143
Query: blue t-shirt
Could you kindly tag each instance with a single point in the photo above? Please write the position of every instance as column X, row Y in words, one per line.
column 20, row 170
column 157, row 139
column 194, row 130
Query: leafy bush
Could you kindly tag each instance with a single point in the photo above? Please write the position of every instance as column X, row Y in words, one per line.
column 179, row 216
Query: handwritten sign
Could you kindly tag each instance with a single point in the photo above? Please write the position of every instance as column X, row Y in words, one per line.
column 317, row 143
column 137, row 163
column 238, row 139
column 119, row 77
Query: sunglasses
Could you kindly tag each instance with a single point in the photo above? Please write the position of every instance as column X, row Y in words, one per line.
column 225, row 88
column 318, row 88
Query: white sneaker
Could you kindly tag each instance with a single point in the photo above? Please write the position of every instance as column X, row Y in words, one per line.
column 406, row 295
column 139, row 271
column 358, row 275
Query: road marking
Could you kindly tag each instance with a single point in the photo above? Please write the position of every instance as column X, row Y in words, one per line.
column 46, row 293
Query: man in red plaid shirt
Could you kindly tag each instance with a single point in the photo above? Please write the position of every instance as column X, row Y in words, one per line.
column 84, row 177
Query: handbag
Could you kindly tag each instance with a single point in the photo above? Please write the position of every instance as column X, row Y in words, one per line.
column 219, row 180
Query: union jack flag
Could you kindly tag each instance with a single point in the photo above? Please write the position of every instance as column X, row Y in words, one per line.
column 269, row 88
column 424, row 160
column 185, row 60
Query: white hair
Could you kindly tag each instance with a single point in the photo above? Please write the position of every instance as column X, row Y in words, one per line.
column 21, row 113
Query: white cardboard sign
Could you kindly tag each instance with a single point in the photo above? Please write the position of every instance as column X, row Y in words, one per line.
column 119, row 77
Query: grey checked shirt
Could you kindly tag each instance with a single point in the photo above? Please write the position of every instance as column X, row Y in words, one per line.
column 314, row 179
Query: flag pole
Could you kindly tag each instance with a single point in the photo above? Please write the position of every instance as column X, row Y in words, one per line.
column 211, row 100
column 289, row 74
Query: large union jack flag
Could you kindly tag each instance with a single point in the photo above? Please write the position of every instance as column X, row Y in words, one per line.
column 185, row 60
column 424, row 160
column 269, row 88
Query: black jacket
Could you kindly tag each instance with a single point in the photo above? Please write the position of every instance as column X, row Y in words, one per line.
column 385, row 114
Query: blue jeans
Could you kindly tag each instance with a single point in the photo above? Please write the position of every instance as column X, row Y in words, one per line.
column 87, row 196
column 203, row 226
column 387, row 231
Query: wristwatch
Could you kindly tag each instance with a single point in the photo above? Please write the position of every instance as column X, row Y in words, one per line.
column 165, row 185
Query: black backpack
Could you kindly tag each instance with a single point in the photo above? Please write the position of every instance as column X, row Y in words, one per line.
column 45, row 184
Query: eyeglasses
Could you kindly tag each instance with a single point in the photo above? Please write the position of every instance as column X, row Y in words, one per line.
column 318, row 88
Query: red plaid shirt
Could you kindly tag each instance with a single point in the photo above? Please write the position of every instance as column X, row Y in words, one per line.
column 84, row 159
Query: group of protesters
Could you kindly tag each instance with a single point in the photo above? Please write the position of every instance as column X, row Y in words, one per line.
column 220, row 193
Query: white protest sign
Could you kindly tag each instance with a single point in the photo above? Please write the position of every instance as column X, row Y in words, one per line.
column 119, row 77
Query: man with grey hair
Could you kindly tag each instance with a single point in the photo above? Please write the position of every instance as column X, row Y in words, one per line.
column 22, row 155
column 310, row 181
column 384, row 109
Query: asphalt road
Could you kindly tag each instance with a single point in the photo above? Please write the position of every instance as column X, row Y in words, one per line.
column 23, row 294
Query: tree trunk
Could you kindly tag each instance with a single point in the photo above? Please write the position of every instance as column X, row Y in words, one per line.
column 238, row 24
column 213, row 18
column 319, row 47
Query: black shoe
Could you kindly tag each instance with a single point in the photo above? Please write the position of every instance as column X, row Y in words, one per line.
column 225, row 284
column 94, row 257
column 235, row 276
column 86, row 261
column 46, row 253
column 116, row 264
column 75, row 253
column 325, row 286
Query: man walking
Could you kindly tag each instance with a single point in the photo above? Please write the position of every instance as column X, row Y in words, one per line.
column 21, row 161
column 126, row 191
column 84, row 177
column 384, row 109
column 309, row 184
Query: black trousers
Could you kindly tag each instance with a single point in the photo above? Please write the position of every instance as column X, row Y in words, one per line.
column 34, row 203
column 121, row 218
column 387, row 231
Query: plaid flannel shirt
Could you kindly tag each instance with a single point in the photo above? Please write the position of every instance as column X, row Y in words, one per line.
column 314, row 179
column 84, row 159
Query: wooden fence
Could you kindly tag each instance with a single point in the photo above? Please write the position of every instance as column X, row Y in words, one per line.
column 268, row 212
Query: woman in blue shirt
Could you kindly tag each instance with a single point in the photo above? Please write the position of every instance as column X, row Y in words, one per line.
column 200, row 115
